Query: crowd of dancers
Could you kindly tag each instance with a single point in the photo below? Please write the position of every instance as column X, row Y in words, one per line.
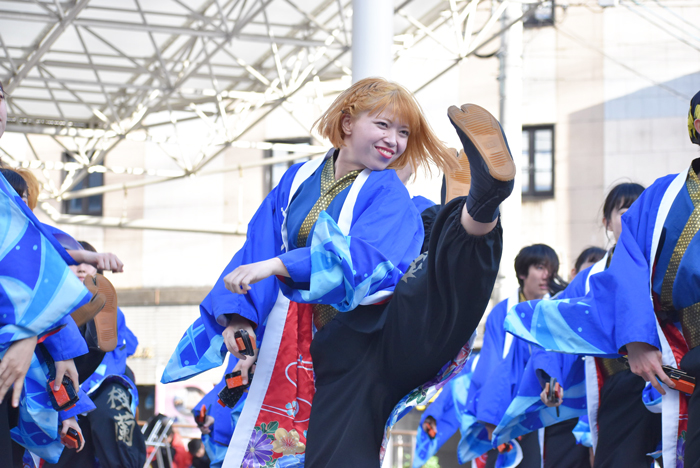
column 350, row 303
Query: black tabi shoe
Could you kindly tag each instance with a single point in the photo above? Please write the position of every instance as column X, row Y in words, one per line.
column 490, row 162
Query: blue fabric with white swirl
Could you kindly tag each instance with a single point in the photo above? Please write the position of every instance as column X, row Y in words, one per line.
column 617, row 309
column 37, row 428
column 333, row 272
column 526, row 413
column 582, row 432
column 37, row 291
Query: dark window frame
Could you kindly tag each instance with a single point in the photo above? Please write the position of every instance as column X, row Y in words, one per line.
column 267, row 173
column 85, row 201
column 532, row 193
column 534, row 22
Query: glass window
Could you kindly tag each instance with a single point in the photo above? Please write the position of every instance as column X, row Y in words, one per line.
column 88, row 205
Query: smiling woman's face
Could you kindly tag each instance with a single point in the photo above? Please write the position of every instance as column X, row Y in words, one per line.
column 373, row 141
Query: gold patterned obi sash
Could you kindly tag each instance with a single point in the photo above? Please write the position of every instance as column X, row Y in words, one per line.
column 330, row 188
column 609, row 367
column 688, row 316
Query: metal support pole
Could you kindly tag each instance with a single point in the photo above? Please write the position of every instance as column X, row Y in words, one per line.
column 372, row 38
column 511, row 90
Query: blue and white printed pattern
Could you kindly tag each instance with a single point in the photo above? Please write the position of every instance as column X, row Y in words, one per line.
column 332, row 268
column 37, row 290
column 195, row 353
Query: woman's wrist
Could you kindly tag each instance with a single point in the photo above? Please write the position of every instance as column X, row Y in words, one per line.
column 279, row 269
column 238, row 321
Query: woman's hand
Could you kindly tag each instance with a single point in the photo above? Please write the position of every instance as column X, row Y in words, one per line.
column 206, row 427
column 101, row 261
column 240, row 279
column 645, row 361
column 14, row 367
column 244, row 364
column 68, row 368
column 72, row 423
column 558, row 391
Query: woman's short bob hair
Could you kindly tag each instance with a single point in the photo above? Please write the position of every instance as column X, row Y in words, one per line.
column 621, row 196
column 377, row 95
column 33, row 186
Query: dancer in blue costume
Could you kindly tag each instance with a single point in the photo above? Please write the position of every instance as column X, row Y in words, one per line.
column 220, row 421
column 536, row 268
column 335, row 273
column 373, row 125
column 623, row 431
column 111, row 434
column 37, row 292
column 643, row 304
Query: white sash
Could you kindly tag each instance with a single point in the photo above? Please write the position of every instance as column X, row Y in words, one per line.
column 278, row 317
column 592, row 390
column 670, row 403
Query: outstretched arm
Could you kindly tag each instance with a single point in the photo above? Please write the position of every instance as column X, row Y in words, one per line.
column 101, row 261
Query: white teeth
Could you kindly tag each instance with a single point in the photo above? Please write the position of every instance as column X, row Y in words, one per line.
column 384, row 152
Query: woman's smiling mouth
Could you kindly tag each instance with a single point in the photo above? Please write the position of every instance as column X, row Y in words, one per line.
column 385, row 152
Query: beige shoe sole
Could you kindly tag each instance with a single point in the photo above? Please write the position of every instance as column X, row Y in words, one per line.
column 106, row 320
column 87, row 312
column 457, row 182
column 485, row 133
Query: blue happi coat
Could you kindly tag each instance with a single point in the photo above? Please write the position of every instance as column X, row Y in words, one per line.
column 355, row 254
column 526, row 412
column 385, row 236
column 491, row 385
column 37, row 293
column 618, row 308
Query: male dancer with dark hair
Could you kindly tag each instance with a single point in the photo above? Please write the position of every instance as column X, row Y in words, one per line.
column 502, row 361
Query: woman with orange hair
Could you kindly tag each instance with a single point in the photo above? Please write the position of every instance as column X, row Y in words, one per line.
column 326, row 249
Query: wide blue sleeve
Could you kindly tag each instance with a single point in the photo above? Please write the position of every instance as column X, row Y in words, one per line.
column 385, row 237
column 202, row 346
column 263, row 242
column 490, row 355
column 527, row 413
column 67, row 343
column 37, row 288
column 498, row 391
column 617, row 309
column 84, row 405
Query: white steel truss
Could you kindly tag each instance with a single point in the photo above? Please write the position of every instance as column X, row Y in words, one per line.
column 91, row 74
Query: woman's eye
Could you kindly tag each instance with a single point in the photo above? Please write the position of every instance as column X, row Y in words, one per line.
column 382, row 124
column 405, row 133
